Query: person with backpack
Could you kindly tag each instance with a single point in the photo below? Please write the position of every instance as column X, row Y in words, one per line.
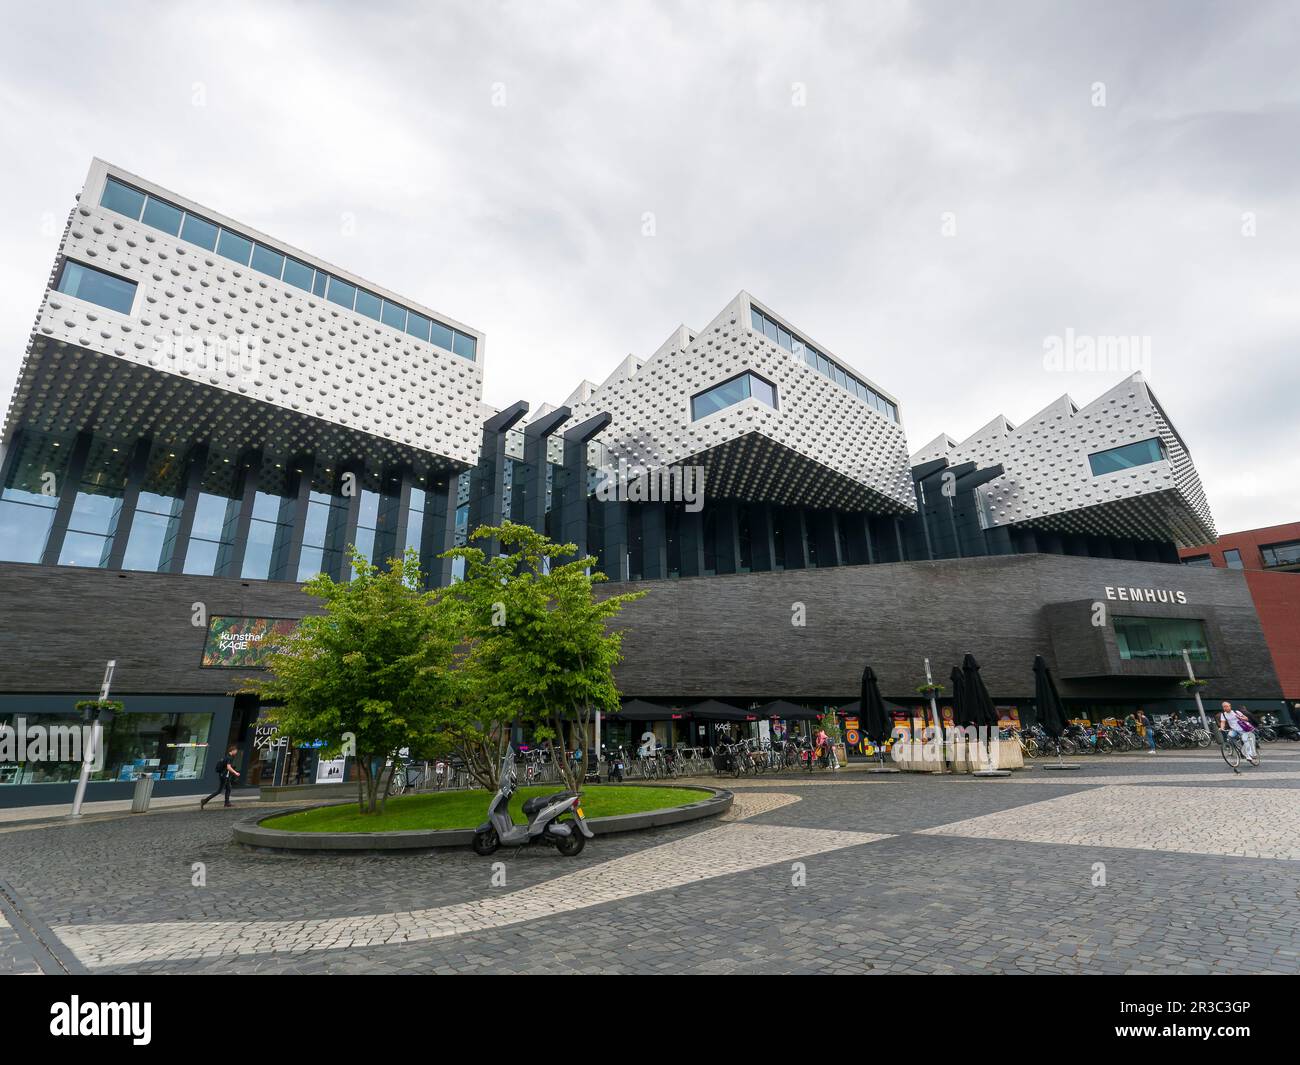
column 226, row 776
column 1236, row 724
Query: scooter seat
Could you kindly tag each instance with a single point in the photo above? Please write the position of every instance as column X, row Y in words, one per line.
column 540, row 802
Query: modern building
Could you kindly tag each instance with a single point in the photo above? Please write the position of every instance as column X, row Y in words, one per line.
column 1269, row 559
column 207, row 416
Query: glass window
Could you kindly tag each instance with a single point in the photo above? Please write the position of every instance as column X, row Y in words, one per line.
column 1157, row 639
column 95, row 286
column 93, row 513
column 417, row 325
column 755, row 319
column 769, row 329
column 441, row 335
column 197, row 231
column 162, row 215
column 783, row 338
column 235, row 247
column 1126, row 457
column 394, row 315
column 823, row 364
column 1232, row 558
column 1198, row 560
column 810, row 357
column 723, row 395
column 464, row 346
column 318, row 286
column 342, row 293
column 122, row 198
column 368, row 304
column 1287, row 554
column 152, row 539
column 201, row 558
column 840, row 378
column 84, row 549
column 23, row 531
column 266, row 261
column 297, row 274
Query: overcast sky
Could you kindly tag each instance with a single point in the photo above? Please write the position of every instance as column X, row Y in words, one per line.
column 931, row 190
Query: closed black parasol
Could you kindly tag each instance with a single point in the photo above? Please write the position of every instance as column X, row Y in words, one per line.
column 977, row 695
column 1047, row 700
column 876, row 722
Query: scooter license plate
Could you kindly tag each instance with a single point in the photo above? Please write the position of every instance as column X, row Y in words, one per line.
column 579, row 811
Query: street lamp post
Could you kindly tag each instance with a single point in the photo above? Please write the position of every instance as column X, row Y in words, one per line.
column 96, row 732
column 934, row 710
column 1196, row 691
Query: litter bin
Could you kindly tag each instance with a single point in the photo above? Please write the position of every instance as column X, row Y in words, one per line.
column 143, row 794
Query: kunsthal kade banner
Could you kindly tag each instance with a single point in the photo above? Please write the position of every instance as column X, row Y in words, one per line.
column 243, row 643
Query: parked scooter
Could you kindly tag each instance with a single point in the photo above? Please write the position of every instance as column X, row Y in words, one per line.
column 615, row 763
column 543, row 813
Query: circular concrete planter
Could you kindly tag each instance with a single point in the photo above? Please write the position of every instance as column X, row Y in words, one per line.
column 252, row 833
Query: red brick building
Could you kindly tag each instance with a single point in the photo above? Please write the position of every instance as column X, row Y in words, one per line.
column 1271, row 560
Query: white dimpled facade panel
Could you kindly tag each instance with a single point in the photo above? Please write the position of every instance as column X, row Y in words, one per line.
column 224, row 326
column 821, row 446
column 1048, row 481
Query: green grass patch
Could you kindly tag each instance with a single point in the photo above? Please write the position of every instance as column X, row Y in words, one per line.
column 468, row 809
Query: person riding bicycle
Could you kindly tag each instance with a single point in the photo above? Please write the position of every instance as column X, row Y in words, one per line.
column 1235, row 724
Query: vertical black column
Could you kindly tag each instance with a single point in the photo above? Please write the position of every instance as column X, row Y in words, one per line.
column 691, row 531
column 439, row 531
column 196, row 466
column 250, row 468
column 136, row 470
column 537, row 436
column 654, row 542
column 827, row 538
column 796, row 545
column 301, row 470
column 67, row 499
column 9, row 451
column 571, row 484
column 762, row 549
column 616, row 541
column 488, row 479
column 728, row 537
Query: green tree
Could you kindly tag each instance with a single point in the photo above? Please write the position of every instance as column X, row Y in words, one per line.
column 541, row 647
column 374, row 673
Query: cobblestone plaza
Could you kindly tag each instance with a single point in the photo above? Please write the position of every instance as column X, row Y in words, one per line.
column 1170, row 864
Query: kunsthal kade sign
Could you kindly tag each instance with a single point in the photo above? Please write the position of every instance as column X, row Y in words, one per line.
column 242, row 642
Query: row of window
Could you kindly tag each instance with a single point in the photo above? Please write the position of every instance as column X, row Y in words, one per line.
column 1127, row 456
column 176, row 222
column 747, row 385
column 819, row 362
column 1284, row 554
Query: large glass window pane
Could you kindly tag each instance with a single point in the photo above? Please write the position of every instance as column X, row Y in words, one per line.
column 310, row 563
column 267, row 261
column 150, row 545
column 258, row 550
column 1160, row 639
column 1287, row 554
column 122, row 198
column 201, row 558
column 93, row 513
column 719, row 397
column 84, row 549
column 1126, row 457
column 342, row 293
column 162, row 215
column 297, row 274
column 770, row 329
column 318, row 285
column 418, row 325
column 23, row 531
column 464, row 346
column 198, row 231
column 783, row 338
column 1232, row 558
column 368, row 304
column 756, row 319
column 95, row 286
column 441, row 335
column 213, row 517
column 823, row 364
column 760, row 389
column 394, row 315
column 235, row 247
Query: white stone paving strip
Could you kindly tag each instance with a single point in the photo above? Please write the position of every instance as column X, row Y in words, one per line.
column 1240, row 822
column 723, row 851
column 746, row 805
column 1215, row 774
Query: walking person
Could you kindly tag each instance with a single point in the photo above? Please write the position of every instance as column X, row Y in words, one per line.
column 1144, row 728
column 226, row 776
